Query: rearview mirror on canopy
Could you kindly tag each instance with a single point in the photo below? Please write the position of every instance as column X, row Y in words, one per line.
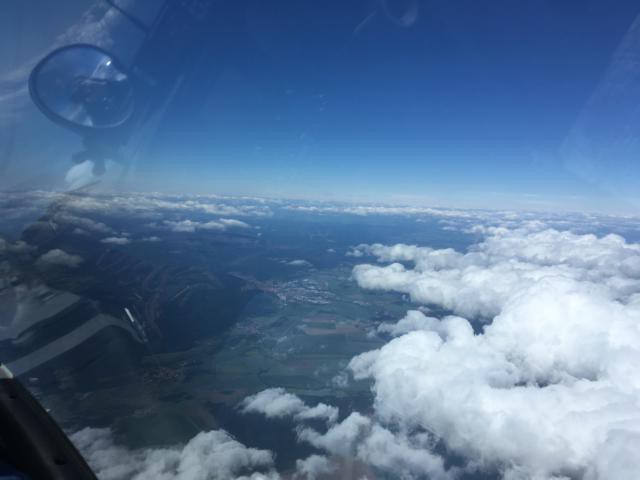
column 83, row 87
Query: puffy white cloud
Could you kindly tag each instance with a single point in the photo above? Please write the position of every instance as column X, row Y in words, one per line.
column 365, row 439
column 273, row 403
column 270, row 475
column 230, row 222
column 187, row 226
column 82, row 223
column 357, row 437
column 340, row 439
column 549, row 388
column 313, row 466
column 212, row 225
column 19, row 247
column 116, row 240
column 340, row 380
column 299, row 263
column 321, row 410
column 277, row 403
column 58, row 257
column 413, row 320
column 190, row 226
column 617, row 458
column 479, row 282
column 402, row 456
column 207, row 456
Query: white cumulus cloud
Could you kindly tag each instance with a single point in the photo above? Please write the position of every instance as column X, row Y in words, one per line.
column 59, row 258
column 190, row 226
column 366, row 440
column 277, row 403
column 231, row 222
column 340, row 439
column 479, row 282
column 313, row 466
column 299, row 263
column 207, row 456
column 116, row 240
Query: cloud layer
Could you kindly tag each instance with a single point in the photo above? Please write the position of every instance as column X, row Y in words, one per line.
column 550, row 388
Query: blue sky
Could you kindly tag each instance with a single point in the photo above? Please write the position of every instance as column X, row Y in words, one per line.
column 462, row 103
